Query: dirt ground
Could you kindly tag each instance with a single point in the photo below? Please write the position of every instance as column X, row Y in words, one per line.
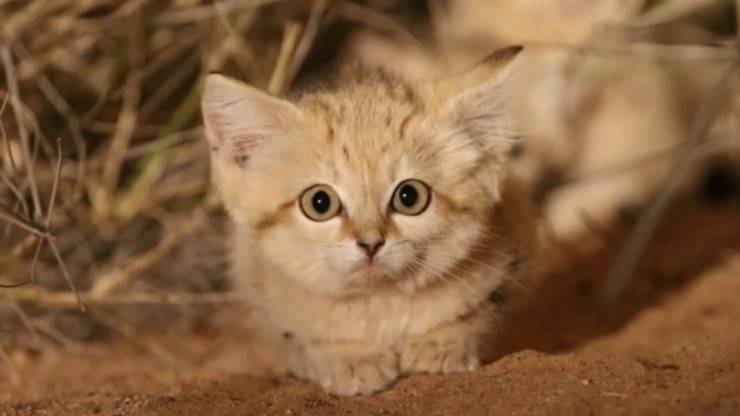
column 672, row 346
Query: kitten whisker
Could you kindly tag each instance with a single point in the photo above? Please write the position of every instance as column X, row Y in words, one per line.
column 450, row 277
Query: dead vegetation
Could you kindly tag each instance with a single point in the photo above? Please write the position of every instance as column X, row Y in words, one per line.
column 108, row 221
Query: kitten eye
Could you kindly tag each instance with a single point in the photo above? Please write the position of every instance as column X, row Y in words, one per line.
column 320, row 203
column 411, row 197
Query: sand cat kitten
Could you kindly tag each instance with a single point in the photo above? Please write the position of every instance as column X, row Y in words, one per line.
column 373, row 219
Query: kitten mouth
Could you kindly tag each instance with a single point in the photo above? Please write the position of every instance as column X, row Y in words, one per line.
column 368, row 272
column 367, row 267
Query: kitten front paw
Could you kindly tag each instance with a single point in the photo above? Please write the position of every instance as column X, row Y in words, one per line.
column 347, row 371
column 429, row 355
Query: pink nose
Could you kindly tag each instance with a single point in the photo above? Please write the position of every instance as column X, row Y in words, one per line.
column 371, row 247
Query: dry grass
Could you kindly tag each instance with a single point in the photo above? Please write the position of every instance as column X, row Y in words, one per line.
column 104, row 174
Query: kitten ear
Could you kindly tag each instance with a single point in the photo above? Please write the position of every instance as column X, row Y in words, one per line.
column 481, row 108
column 239, row 119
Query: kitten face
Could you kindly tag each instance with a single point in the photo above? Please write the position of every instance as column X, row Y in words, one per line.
column 370, row 185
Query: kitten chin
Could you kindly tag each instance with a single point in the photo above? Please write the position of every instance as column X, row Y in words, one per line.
column 373, row 220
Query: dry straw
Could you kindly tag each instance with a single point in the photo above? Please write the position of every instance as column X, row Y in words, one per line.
column 104, row 176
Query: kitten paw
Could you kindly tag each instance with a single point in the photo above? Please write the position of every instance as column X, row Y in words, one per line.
column 436, row 356
column 345, row 372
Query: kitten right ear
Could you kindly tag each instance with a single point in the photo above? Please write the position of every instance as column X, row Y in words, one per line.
column 478, row 101
column 239, row 118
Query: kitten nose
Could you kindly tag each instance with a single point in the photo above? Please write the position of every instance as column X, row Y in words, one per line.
column 371, row 245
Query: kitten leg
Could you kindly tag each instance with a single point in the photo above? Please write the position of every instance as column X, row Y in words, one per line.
column 452, row 348
column 347, row 369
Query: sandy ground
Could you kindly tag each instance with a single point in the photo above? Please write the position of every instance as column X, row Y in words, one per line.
column 672, row 346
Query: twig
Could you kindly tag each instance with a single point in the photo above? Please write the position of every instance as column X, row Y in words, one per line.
column 245, row 58
column 35, row 260
column 8, row 215
column 151, row 169
column 13, row 188
column 55, row 186
column 56, row 99
column 4, row 134
column 49, row 212
column 69, row 280
column 291, row 32
column 171, row 86
column 8, row 149
column 221, row 13
column 163, row 142
column 640, row 236
column 318, row 10
column 47, row 223
column 14, row 285
column 126, row 123
column 17, row 192
column 17, row 105
column 4, row 103
column 126, row 9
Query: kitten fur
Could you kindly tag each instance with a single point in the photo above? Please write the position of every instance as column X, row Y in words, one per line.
column 351, row 322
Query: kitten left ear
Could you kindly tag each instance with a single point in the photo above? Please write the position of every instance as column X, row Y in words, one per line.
column 482, row 110
column 239, row 119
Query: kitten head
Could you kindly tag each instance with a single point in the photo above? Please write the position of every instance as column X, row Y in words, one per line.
column 372, row 183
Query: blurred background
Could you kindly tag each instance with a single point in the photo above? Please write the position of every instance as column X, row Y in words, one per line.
column 107, row 222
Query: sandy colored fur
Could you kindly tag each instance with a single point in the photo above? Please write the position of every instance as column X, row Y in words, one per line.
column 421, row 305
